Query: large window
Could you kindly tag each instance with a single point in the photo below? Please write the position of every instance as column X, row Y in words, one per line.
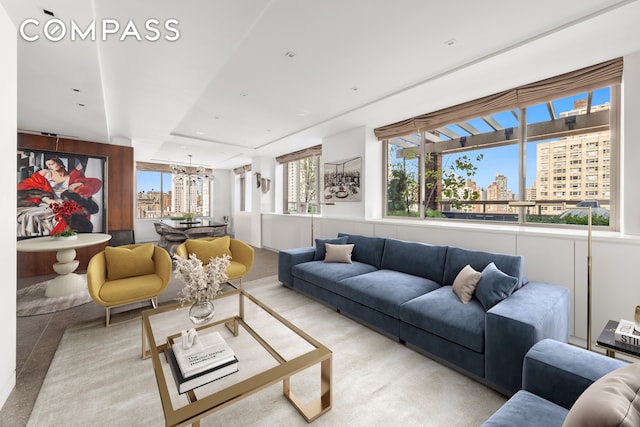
column 163, row 193
column 302, row 185
column 557, row 153
column 301, row 178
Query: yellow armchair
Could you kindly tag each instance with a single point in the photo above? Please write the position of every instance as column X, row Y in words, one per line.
column 133, row 277
column 241, row 256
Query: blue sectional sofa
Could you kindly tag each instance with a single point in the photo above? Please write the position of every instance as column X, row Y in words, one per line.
column 555, row 376
column 404, row 289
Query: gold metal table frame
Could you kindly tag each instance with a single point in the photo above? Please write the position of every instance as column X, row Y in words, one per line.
column 200, row 407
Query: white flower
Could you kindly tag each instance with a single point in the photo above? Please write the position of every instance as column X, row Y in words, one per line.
column 201, row 283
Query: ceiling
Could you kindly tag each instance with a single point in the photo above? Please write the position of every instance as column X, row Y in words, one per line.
column 267, row 77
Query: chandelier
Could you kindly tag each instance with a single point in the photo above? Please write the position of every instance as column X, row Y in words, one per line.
column 191, row 173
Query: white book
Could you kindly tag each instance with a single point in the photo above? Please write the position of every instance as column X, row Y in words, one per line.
column 626, row 333
column 210, row 351
column 202, row 378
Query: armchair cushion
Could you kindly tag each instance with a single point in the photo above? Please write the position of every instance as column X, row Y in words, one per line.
column 612, row 400
column 207, row 249
column 123, row 262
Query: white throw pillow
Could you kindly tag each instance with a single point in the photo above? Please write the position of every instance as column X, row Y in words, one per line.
column 338, row 253
column 465, row 283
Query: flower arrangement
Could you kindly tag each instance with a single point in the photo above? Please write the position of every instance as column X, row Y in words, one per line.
column 62, row 213
column 201, row 283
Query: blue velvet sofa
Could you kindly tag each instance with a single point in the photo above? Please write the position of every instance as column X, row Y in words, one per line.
column 554, row 376
column 404, row 290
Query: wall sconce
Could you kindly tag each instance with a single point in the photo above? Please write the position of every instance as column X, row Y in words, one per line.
column 265, row 185
column 570, row 121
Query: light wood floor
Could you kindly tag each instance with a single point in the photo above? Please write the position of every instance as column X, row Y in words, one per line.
column 38, row 338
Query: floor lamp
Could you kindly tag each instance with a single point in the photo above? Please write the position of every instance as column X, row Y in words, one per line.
column 589, row 252
column 312, row 213
column 589, row 279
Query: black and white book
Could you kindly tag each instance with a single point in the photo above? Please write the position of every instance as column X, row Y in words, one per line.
column 626, row 333
column 185, row 384
column 210, row 351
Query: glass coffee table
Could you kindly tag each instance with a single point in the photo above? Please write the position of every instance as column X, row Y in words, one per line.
column 269, row 349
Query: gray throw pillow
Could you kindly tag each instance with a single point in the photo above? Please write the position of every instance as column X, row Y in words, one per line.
column 465, row 283
column 339, row 253
column 320, row 249
column 613, row 400
column 494, row 286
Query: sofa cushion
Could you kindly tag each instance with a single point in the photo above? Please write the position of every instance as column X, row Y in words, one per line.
column 494, row 286
column 124, row 262
column 338, row 253
column 527, row 409
column 367, row 249
column 441, row 313
column 384, row 290
column 613, row 400
column 465, row 284
column 419, row 259
column 457, row 258
column 326, row 275
column 320, row 246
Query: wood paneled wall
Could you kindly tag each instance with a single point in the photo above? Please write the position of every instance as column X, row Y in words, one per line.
column 119, row 190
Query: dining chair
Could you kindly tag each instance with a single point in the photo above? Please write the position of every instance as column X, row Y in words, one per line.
column 170, row 237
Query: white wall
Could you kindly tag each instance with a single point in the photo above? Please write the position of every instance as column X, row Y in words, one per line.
column 8, row 126
column 343, row 146
column 631, row 147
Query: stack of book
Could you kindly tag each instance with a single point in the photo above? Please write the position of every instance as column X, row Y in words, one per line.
column 209, row 359
column 626, row 333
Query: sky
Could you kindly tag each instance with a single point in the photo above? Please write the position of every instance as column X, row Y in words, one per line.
column 147, row 181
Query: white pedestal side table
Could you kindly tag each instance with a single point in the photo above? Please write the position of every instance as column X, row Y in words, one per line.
column 67, row 282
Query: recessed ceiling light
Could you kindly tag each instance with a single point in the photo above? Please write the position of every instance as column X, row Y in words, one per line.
column 290, row 54
column 75, row 90
column 243, row 94
column 451, row 42
column 216, row 117
column 48, row 12
column 355, row 88
column 80, row 105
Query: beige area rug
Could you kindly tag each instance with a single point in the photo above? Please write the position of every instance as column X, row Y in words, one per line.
column 31, row 301
column 97, row 378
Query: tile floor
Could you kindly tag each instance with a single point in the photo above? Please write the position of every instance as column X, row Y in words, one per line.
column 38, row 338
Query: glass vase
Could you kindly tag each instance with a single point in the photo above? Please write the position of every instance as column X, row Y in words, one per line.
column 201, row 312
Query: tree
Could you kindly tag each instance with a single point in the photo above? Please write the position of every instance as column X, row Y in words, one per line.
column 453, row 180
column 308, row 179
column 403, row 189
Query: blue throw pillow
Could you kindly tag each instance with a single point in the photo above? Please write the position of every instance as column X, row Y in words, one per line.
column 494, row 286
column 320, row 249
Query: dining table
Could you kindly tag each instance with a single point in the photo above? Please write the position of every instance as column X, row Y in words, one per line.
column 186, row 224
